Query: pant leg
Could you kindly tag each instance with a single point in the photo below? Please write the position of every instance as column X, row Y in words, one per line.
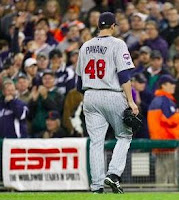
column 118, row 161
column 123, row 133
column 97, row 126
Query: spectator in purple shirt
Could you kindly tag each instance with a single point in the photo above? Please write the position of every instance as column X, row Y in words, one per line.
column 154, row 41
column 13, row 113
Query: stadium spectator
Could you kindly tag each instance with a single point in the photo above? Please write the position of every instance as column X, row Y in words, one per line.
column 142, row 6
column 144, row 57
column 22, row 86
column 18, row 37
column 143, row 61
column 40, row 38
column 165, row 8
column 43, row 23
column 163, row 124
column 31, row 23
column 53, row 124
column 64, row 75
column 42, row 63
column 155, row 12
column 155, row 70
column 85, row 36
column 43, row 99
column 124, row 28
column 135, row 58
column 92, row 24
column 137, row 27
column 162, row 111
column 71, row 42
column 18, row 60
column 142, row 98
column 13, row 113
column 174, row 48
column 31, row 6
column 154, row 41
column 30, row 67
column 119, row 14
column 4, row 52
column 72, row 18
column 101, row 6
column 130, row 9
column 52, row 12
column 10, row 70
column 73, row 59
column 172, row 31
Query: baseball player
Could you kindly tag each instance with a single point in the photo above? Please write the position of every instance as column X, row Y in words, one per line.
column 103, row 70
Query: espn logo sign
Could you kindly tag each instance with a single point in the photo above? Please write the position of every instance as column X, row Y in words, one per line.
column 40, row 158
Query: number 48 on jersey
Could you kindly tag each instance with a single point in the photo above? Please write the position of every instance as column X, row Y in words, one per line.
column 100, row 69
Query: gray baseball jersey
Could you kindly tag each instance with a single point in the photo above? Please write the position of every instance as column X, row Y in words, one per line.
column 99, row 60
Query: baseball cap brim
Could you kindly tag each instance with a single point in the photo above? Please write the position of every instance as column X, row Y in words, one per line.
column 166, row 79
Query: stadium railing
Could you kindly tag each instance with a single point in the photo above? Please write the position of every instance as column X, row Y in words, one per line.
column 151, row 165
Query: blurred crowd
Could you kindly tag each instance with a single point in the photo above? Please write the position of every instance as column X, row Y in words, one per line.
column 39, row 46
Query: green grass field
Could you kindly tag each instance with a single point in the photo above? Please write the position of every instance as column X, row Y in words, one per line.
column 86, row 196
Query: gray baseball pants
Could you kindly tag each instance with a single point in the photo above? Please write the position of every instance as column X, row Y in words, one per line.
column 101, row 108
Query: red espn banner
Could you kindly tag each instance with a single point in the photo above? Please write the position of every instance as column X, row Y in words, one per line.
column 45, row 164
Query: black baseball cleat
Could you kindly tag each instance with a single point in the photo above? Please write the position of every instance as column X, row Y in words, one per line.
column 100, row 191
column 113, row 181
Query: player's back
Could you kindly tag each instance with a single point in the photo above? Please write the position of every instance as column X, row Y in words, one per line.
column 99, row 61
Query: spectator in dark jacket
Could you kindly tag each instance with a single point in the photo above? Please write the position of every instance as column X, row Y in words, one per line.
column 10, row 70
column 13, row 113
column 172, row 31
column 44, row 24
column 53, row 124
column 64, row 75
column 44, row 98
column 155, row 70
column 42, row 63
column 144, row 59
column 22, row 86
column 163, row 117
column 142, row 97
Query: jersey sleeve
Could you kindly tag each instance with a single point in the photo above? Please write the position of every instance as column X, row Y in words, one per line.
column 78, row 66
column 123, row 58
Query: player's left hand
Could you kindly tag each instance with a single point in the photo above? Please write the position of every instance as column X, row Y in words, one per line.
column 134, row 107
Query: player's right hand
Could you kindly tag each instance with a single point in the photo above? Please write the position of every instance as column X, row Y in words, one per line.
column 134, row 107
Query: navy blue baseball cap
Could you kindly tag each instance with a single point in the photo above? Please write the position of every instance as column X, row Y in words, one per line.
column 166, row 79
column 155, row 54
column 48, row 71
column 53, row 115
column 139, row 77
column 106, row 19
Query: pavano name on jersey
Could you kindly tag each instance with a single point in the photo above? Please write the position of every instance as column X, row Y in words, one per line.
column 96, row 49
